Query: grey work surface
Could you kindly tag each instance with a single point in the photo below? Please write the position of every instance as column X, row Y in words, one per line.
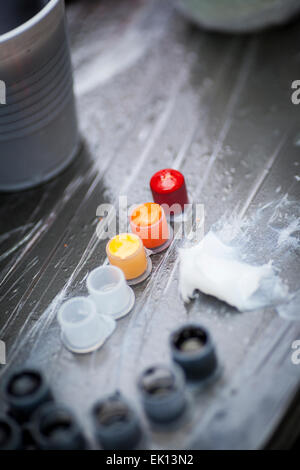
column 153, row 91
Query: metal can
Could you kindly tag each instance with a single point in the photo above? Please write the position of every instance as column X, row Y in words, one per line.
column 38, row 124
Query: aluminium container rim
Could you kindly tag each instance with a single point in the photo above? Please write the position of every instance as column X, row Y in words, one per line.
column 29, row 24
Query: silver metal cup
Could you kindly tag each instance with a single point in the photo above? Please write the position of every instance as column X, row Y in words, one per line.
column 38, row 124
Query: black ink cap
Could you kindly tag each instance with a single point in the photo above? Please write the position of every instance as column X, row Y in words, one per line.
column 54, row 427
column 24, row 391
column 193, row 350
column 162, row 391
column 10, row 434
column 116, row 423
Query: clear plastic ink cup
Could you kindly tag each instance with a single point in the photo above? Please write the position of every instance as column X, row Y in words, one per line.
column 83, row 329
column 108, row 289
column 127, row 252
column 148, row 221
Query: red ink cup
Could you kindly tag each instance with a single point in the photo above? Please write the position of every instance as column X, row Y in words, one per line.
column 169, row 189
